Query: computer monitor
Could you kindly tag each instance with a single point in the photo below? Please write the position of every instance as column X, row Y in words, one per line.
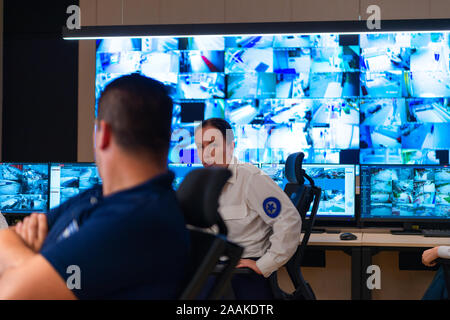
column 69, row 179
column 180, row 171
column 385, row 94
column 23, row 187
column 276, row 172
column 405, row 193
column 338, row 187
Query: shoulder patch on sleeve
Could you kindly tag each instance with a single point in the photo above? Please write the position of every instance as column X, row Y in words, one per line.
column 272, row 207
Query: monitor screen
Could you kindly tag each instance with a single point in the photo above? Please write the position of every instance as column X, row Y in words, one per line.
column 385, row 94
column 405, row 192
column 69, row 179
column 337, row 183
column 23, row 187
column 180, row 171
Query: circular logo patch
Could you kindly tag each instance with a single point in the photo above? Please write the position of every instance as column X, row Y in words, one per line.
column 272, row 207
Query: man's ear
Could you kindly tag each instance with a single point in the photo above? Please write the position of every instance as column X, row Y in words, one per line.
column 104, row 135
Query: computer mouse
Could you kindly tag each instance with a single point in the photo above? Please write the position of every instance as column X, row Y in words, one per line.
column 347, row 236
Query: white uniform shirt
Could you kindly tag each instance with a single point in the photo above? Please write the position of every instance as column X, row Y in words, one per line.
column 3, row 223
column 444, row 252
column 260, row 217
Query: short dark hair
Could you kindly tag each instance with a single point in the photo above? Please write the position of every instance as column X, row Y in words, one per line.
column 220, row 124
column 139, row 111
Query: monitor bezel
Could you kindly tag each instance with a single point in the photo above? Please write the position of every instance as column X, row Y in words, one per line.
column 254, row 28
column 423, row 221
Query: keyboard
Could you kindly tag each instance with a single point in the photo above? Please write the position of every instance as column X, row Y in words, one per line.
column 436, row 233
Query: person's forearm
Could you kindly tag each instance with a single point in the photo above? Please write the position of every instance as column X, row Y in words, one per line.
column 13, row 251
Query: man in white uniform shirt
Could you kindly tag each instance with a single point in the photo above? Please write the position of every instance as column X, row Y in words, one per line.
column 258, row 214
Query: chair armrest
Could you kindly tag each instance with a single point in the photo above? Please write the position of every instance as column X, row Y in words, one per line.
column 219, row 267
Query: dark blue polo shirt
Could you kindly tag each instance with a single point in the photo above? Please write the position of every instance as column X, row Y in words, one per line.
column 130, row 245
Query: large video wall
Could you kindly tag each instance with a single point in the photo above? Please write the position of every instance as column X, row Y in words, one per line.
column 384, row 94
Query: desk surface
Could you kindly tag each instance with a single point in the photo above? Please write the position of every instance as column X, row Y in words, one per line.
column 377, row 240
column 390, row 240
column 332, row 239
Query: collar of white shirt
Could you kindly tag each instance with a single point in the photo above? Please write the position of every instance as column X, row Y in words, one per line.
column 233, row 167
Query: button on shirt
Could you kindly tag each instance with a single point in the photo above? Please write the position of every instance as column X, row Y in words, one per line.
column 130, row 245
column 260, row 217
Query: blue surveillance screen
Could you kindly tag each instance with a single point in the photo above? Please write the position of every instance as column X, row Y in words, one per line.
column 405, row 192
column 385, row 94
column 23, row 187
column 69, row 179
column 337, row 183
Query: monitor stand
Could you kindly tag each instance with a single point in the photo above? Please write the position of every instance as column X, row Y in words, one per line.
column 408, row 229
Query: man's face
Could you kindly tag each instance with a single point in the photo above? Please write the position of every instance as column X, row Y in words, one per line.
column 212, row 148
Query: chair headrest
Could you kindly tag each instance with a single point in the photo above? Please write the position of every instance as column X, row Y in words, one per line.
column 293, row 167
column 198, row 196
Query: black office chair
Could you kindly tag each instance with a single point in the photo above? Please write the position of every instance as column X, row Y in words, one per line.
column 445, row 263
column 198, row 196
column 302, row 196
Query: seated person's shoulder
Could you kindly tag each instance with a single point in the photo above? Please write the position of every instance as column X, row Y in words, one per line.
column 247, row 170
column 127, row 238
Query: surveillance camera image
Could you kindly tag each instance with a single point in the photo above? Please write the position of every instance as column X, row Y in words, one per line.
column 292, row 41
column 382, row 84
column 337, row 59
column 380, row 59
column 119, row 62
column 428, row 110
column 201, row 61
column 286, row 110
column 205, row 43
column 160, row 62
column 412, row 192
column 249, row 60
column 249, row 42
column 381, row 137
column 385, row 40
column 334, row 85
column 159, row 44
column 289, row 85
column 426, row 136
column 293, row 61
column 384, row 112
column 429, row 84
column 338, row 184
column 387, row 94
column 201, row 86
column 68, row 180
column 23, row 188
column 251, row 85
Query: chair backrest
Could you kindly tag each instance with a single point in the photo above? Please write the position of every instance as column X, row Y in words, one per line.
column 198, row 196
column 302, row 196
